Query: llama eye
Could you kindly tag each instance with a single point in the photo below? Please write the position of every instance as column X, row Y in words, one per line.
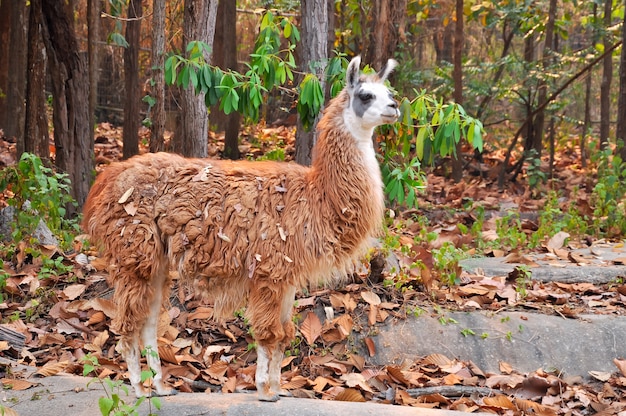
column 365, row 96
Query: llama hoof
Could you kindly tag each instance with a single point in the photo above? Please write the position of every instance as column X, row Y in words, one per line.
column 268, row 397
column 166, row 392
column 284, row 393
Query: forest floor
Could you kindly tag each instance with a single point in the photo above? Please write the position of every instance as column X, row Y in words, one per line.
column 65, row 316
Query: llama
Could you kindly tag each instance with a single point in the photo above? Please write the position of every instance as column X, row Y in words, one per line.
column 249, row 233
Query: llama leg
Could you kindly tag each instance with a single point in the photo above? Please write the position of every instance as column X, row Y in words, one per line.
column 132, row 301
column 278, row 353
column 129, row 346
column 149, row 337
column 264, row 312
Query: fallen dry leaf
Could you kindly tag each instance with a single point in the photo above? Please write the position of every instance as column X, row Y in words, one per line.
column 370, row 297
column 350, row 395
column 557, row 241
column 16, row 384
column 311, row 328
column 621, row 365
column 52, row 368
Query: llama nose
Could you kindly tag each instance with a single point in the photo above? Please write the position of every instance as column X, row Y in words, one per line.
column 393, row 104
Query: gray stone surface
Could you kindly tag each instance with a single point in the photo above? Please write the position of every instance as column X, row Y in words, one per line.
column 68, row 395
column 599, row 267
column 527, row 341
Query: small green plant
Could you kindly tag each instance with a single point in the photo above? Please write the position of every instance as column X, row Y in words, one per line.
column 608, row 195
column 275, row 154
column 416, row 311
column 53, row 267
column 523, row 279
column 38, row 194
column 467, row 332
column 509, row 231
column 3, row 279
column 113, row 403
column 446, row 263
column 533, row 171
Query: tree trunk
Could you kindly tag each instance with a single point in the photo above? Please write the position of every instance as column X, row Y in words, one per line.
column 443, row 38
column 586, row 127
column 73, row 135
column 605, row 86
column 36, row 121
column 157, row 143
column 132, row 103
column 199, row 24
column 5, row 33
column 225, row 56
column 548, row 49
column 93, row 35
column 620, row 132
column 457, row 161
column 387, row 27
column 314, row 54
column 16, row 92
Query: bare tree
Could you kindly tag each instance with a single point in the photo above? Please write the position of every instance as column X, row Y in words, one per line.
column 36, row 129
column 158, row 88
column 93, row 34
column 620, row 132
column 457, row 161
column 5, row 33
column 16, row 91
column 587, row 118
column 132, row 103
column 387, row 30
column 539, row 121
column 607, row 78
column 73, row 135
column 199, row 24
column 314, row 55
column 225, row 56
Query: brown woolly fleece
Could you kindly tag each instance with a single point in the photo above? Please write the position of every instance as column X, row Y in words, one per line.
column 246, row 233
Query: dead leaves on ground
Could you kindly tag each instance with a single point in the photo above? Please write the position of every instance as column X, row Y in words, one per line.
column 323, row 362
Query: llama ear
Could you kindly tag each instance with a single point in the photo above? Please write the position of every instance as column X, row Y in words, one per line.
column 352, row 74
column 387, row 69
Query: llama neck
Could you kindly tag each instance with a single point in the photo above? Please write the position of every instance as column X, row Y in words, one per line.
column 346, row 173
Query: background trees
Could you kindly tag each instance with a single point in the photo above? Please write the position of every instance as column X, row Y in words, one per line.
column 531, row 71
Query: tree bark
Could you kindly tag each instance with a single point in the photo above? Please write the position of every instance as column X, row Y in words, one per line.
column 16, row 92
column 157, row 143
column 314, row 54
column 548, row 48
column 5, row 33
column 93, row 34
column 73, row 135
column 607, row 78
column 132, row 104
column 225, row 56
column 457, row 161
column 620, row 132
column 36, row 129
column 199, row 24
column 586, row 127
column 387, row 30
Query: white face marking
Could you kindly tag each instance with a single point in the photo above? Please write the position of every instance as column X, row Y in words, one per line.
column 371, row 104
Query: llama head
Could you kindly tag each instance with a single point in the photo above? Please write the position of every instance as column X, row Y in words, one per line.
column 371, row 103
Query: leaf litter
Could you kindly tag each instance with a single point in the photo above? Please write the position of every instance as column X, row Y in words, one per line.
column 63, row 318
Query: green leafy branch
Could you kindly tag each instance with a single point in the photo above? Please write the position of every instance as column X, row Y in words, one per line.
column 269, row 67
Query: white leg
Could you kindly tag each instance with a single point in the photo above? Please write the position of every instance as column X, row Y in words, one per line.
column 149, row 339
column 277, row 355
column 262, row 376
column 132, row 355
